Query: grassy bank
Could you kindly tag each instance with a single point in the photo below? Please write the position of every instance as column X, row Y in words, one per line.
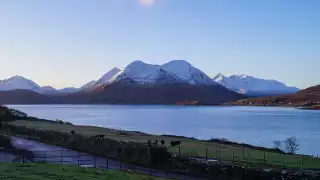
column 62, row 172
column 224, row 151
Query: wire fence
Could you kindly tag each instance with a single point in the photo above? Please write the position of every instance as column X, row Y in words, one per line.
column 249, row 157
column 70, row 157
column 212, row 158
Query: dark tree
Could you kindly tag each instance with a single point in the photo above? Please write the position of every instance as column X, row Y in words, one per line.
column 277, row 144
column 291, row 145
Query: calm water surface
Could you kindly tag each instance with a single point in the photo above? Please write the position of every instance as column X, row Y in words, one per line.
column 253, row 125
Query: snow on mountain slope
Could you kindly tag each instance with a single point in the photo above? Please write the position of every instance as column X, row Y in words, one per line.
column 187, row 72
column 18, row 82
column 171, row 72
column 250, row 85
column 107, row 77
column 163, row 77
column 139, row 72
column 68, row 90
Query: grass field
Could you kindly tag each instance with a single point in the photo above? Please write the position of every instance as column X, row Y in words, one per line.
column 10, row 171
column 190, row 147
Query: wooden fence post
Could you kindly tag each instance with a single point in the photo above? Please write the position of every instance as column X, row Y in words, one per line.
column 206, row 154
column 243, row 158
column 232, row 156
column 78, row 158
column 107, row 159
column 61, row 158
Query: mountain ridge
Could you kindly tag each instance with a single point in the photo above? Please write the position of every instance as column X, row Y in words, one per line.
column 175, row 72
column 253, row 86
column 306, row 97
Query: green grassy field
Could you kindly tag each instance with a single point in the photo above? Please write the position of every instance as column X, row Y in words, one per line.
column 10, row 171
column 190, row 147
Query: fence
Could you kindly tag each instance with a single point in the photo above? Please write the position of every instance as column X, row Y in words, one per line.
column 69, row 157
column 213, row 158
column 248, row 157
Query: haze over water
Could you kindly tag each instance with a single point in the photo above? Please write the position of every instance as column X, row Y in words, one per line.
column 254, row 125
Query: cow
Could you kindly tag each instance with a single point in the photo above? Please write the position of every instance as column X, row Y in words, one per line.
column 175, row 143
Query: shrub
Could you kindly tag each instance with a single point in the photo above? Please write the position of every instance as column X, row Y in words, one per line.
column 5, row 142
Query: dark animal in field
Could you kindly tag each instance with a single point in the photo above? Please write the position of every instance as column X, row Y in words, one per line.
column 162, row 142
column 99, row 137
column 175, row 143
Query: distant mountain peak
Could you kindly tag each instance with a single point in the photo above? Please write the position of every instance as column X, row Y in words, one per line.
column 107, row 77
column 17, row 78
column 18, row 82
column 249, row 85
column 115, row 69
column 242, row 76
column 174, row 71
column 218, row 77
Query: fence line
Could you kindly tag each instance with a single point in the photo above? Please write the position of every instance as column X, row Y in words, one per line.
column 70, row 157
column 243, row 156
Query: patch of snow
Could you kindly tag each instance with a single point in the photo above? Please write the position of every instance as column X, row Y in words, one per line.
column 250, row 85
column 107, row 77
column 69, row 90
column 172, row 72
column 187, row 72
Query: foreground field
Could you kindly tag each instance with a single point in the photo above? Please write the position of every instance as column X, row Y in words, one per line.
column 11, row 171
column 189, row 147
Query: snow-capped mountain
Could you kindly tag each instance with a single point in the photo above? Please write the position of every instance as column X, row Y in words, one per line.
column 21, row 83
column 110, row 75
column 18, row 82
column 106, row 78
column 176, row 71
column 171, row 73
column 253, row 86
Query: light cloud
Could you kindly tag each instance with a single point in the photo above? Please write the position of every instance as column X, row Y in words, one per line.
column 147, row 3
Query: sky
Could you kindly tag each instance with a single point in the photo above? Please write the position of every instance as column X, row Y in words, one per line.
column 70, row 42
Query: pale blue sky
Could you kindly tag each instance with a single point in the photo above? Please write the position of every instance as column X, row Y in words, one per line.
column 70, row 42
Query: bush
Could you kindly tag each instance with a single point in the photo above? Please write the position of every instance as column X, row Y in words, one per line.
column 5, row 142
column 63, row 122
column 5, row 114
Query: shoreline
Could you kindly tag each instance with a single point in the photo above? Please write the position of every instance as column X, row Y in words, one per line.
column 162, row 152
column 122, row 132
